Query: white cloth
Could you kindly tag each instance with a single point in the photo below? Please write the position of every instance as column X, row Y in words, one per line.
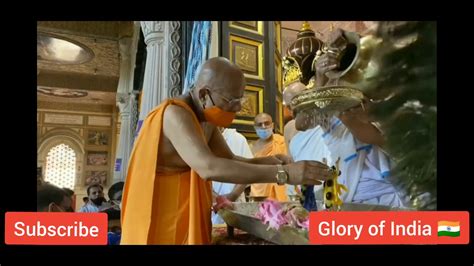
column 373, row 188
column 309, row 145
column 364, row 167
column 91, row 207
column 239, row 146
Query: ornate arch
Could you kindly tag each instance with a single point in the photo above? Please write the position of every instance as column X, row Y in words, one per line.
column 59, row 136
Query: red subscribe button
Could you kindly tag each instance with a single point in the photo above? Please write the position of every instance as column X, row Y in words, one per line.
column 379, row 227
column 55, row 228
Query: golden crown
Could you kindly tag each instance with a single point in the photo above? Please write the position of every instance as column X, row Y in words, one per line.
column 291, row 71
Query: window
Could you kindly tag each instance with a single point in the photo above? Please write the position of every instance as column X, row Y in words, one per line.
column 61, row 166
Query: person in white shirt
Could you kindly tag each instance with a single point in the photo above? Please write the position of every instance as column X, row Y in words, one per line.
column 97, row 201
column 351, row 136
column 239, row 146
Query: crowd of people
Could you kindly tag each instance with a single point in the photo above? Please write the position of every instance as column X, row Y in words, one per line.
column 51, row 198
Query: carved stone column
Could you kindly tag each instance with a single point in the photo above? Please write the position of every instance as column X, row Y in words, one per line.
column 163, row 64
column 175, row 58
column 124, row 146
column 155, row 81
column 123, row 102
column 133, row 116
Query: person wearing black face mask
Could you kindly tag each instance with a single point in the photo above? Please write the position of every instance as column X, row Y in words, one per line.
column 70, row 194
column 97, row 201
column 50, row 198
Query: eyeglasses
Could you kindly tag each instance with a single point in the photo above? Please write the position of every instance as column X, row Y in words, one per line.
column 230, row 101
column 227, row 100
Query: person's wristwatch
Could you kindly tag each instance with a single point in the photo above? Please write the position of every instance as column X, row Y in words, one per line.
column 281, row 176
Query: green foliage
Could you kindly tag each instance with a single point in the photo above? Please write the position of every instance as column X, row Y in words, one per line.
column 405, row 88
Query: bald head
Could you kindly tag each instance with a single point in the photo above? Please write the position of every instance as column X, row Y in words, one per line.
column 263, row 120
column 291, row 91
column 221, row 74
column 219, row 83
column 264, row 116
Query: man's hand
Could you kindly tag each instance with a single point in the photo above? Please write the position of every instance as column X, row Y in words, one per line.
column 359, row 122
column 307, row 172
column 222, row 202
column 359, row 112
column 231, row 197
column 331, row 58
column 270, row 160
column 327, row 62
column 285, row 159
column 236, row 192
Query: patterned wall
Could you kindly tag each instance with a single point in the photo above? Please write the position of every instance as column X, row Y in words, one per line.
column 92, row 135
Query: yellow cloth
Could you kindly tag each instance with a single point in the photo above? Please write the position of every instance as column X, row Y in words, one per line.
column 163, row 208
column 271, row 190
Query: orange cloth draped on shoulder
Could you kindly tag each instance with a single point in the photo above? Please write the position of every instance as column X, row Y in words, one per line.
column 271, row 190
column 163, row 208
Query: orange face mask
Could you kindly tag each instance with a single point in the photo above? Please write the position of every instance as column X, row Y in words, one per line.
column 217, row 116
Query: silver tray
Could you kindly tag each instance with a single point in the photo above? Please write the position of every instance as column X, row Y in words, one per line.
column 243, row 218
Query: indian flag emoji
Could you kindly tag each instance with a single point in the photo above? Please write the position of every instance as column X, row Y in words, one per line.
column 448, row 228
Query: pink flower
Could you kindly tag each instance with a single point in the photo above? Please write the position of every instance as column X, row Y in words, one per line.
column 298, row 217
column 275, row 215
column 271, row 213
